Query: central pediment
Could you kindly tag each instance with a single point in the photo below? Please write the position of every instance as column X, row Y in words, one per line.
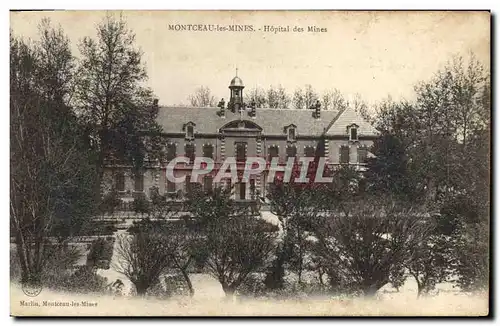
column 241, row 125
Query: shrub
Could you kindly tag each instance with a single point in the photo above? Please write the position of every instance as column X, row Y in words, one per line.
column 98, row 228
column 100, row 253
column 83, row 280
column 110, row 202
column 140, row 205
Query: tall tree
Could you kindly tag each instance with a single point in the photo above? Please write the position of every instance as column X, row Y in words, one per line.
column 277, row 97
column 333, row 100
column 111, row 101
column 202, row 97
column 256, row 95
column 282, row 98
column 310, row 96
column 361, row 107
column 51, row 177
column 298, row 100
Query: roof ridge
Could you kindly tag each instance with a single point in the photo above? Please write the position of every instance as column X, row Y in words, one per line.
column 186, row 107
column 215, row 107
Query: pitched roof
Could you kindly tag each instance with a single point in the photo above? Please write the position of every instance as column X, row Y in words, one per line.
column 272, row 121
column 349, row 117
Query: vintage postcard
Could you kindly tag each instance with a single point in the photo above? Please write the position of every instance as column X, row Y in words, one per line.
column 250, row 163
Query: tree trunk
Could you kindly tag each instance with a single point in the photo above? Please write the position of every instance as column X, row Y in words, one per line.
column 320, row 276
column 141, row 288
column 228, row 291
column 30, row 273
column 420, row 286
column 188, row 282
column 274, row 278
column 420, row 289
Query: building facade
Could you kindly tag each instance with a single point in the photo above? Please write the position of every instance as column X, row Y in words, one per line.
column 241, row 130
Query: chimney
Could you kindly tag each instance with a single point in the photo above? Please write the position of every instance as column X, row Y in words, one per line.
column 317, row 109
column 222, row 111
column 253, row 111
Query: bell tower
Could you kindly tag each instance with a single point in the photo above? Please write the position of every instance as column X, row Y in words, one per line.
column 236, row 99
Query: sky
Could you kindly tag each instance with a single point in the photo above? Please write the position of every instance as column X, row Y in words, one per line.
column 375, row 54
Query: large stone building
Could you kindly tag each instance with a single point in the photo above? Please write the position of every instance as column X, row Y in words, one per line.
column 241, row 130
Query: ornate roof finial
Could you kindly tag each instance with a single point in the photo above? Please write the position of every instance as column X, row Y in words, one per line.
column 236, row 71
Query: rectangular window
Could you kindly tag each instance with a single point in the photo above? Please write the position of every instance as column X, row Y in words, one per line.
column 242, row 190
column 362, row 155
column 241, row 151
column 188, row 184
column 120, row 181
column 252, row 188
column 139, row 182
column 320, row 150
column 208, row 151
column 208, row 183
column 344, row 155
column 190, row 132
column 291, row 134
column 309, row 151
column 171, row 151
column 273, row 152
column 170, row 186
column 354, row 133
column 189, row 152
column 291, row 151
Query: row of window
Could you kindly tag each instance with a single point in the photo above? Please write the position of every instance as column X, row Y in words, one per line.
column 290, row 131
column 120, row 182
column 171, row 186
column 291, row 151
column 208, row 185
column 241, row 149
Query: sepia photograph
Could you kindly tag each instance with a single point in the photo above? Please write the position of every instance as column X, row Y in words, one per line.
column 250, row 163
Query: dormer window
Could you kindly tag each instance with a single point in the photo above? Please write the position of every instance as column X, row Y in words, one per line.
column 189, row 129
column 353, row 132
column 190, row 132
column 291, row 133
